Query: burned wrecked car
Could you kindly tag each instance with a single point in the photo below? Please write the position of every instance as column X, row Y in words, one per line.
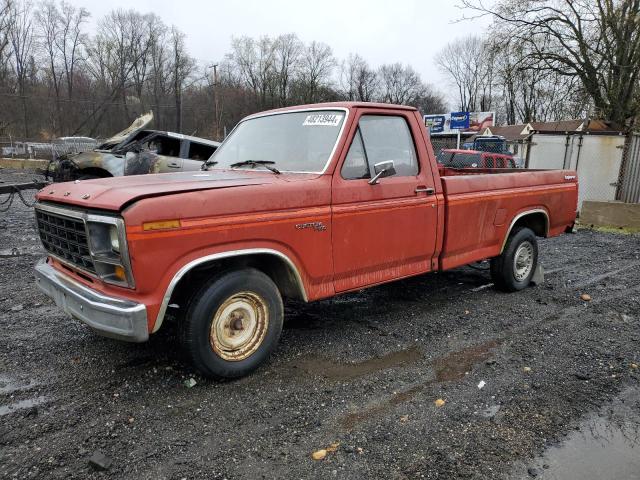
column 135, row 151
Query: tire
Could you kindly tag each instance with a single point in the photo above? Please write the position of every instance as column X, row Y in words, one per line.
column 88, row 176
column 232, row 324
column 509, row 275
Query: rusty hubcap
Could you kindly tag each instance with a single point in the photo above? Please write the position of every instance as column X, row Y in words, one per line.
column 523, row 261
column 239, row 326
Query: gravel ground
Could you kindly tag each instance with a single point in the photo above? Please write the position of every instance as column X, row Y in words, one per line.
column 358, row 375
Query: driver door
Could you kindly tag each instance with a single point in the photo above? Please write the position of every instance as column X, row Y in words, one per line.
column 386, row 230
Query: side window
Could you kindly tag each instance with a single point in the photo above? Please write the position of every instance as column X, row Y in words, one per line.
column 200, row 151
column 488, row 162
column 389, row 138
column 355, row 165
column 167, row 146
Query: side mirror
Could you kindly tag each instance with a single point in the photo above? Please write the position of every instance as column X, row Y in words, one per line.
column 381, row 170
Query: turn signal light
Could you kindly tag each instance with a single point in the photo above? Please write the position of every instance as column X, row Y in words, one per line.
column 118, row 272
column 161, row 225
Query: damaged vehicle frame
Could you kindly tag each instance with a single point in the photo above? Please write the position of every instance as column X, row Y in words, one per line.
column 135, row 151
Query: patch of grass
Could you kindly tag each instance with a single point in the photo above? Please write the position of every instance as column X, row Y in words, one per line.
column 609, row 229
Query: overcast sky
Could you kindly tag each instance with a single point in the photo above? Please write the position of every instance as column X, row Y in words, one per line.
column 407, row 31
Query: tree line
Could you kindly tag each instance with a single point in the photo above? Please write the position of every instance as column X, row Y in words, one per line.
column 545, row 60
column 59, row 78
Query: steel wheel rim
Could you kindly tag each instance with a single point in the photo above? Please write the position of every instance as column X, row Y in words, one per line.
column 239, row 326
column 523, row 261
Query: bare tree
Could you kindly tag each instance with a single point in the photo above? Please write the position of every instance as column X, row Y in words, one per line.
column 255, row 61
column 468, row 62
column 158, row 81
column 94, row 82
column 71, row 40
column 530, row 94
column 48, row 21
column 60, row 38
column 114, row 53
column 429, row 101
column 596, row 41
column 398, row 83
column 287, row 52
column 6, row 13
column 182, row 66
column 315, row 71
column 150, row 28
column 127, row 44
column 358, row 80
column 21, row 36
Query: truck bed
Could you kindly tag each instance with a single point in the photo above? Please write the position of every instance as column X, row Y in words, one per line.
column 481, row 205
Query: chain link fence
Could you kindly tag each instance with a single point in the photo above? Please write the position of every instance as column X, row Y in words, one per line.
column 515, row 149
column 629, row 182
column 608, row 163
column 10, row 148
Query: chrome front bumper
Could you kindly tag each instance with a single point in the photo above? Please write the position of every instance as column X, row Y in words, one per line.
column 108, row 316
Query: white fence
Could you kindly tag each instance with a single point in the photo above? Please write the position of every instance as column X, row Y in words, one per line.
column 597, row 159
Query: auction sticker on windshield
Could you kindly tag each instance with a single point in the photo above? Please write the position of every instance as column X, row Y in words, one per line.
column 322, row 119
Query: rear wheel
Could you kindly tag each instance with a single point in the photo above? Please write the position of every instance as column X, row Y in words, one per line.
column 513, row 269
column 233, row 324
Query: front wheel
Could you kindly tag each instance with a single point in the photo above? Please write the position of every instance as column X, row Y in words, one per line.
column 514, row 268
column 233, row 324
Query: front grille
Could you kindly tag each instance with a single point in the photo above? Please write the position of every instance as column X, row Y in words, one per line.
column 66, row 238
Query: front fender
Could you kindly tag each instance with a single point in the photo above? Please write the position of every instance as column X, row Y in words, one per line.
column 114, row 164
column 193, row 261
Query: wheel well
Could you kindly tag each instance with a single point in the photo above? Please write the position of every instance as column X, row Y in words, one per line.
column 98, row 172
column 279, row 270
column 536, row 221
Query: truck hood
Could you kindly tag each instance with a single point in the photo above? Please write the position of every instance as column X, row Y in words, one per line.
column 117, row 192
column 123, row 136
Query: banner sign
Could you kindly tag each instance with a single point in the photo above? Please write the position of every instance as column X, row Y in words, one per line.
column 463, row 122
column 435, row 123
column 459, row 121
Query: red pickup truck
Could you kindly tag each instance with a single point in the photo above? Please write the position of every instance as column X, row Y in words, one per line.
column 305, row 202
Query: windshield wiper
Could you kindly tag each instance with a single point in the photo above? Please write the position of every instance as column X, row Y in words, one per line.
column 257, row 163
column 207, row 164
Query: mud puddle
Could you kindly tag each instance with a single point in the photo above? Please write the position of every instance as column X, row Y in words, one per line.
column 337, row 372
column 606, row 446
column 22, row 405
column 448, row 368
column 10, row 385
column 456, row 365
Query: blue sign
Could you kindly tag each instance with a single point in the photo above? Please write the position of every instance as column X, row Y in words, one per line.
column 459, row 120
column 435, row 123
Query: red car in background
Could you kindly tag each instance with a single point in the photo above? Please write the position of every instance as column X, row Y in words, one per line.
column 453, row 158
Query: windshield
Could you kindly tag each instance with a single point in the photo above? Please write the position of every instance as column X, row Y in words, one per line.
column 298, row 141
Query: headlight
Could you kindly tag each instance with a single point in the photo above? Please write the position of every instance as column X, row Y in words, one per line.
column 115, row 241
column 108, row 250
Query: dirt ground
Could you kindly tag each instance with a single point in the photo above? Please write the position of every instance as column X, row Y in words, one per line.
column 358, row 375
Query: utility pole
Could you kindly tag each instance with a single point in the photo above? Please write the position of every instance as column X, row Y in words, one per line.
column 215, row 100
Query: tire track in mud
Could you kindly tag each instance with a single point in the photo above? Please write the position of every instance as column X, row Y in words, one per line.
column 454, row 366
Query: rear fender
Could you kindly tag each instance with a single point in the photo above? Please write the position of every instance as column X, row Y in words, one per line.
column 536, row 219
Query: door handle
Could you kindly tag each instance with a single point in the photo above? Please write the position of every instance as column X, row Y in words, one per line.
column 173, row 165
column 427, row 190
